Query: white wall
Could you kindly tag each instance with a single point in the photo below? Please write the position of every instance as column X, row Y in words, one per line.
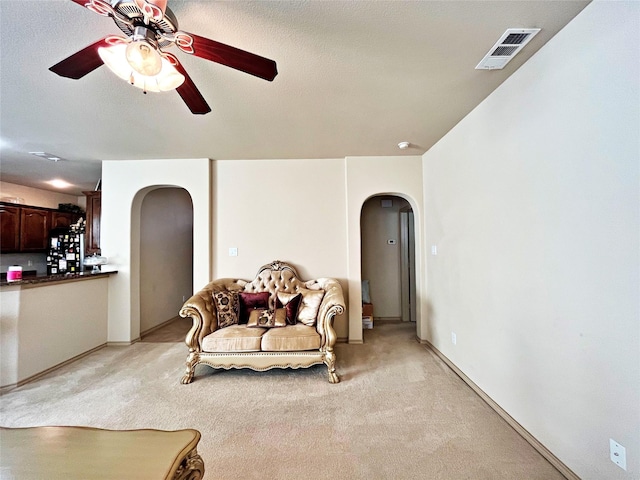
column 367, row 177
column 289, row 210
column 166, row 255
column 292, row 210
column 124, row 186
column 38, row 197
column 28, row 262
column 9, row 316
column 381, row 262
column 47, row 324
column 533, row 202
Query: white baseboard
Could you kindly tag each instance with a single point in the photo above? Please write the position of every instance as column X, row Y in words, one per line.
column 387, row 320
column 123, row 344
column 533, row 441
column 158, row 327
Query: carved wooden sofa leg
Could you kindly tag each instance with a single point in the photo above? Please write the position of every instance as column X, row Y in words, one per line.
column 191, row 368
column 330, row 361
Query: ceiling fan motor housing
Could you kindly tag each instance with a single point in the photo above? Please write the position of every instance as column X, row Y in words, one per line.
column 128, row 17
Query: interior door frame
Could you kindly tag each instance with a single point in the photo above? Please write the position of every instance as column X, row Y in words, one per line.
column 407, row 264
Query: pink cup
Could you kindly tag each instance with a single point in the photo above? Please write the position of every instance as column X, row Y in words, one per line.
column 14, row 274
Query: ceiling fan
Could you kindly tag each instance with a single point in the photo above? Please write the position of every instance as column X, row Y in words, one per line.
column 139, row 57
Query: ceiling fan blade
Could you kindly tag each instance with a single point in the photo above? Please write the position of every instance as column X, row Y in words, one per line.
column 233, row 57
column 80, row 63
column 160, row 5
column 152, row 9
column 189, row 92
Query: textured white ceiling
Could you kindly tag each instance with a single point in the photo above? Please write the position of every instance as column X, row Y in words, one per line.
column 355, row 78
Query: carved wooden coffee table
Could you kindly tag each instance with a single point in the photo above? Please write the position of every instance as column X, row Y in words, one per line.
column 82, row 453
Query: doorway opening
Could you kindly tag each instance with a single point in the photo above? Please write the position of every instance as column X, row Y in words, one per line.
column 388, row 259
column 166, row 257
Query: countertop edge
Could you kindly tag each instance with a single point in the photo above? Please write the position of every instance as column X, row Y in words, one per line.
column 57, row 279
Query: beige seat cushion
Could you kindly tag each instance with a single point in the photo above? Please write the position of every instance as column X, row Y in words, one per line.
column 291, row 338
column 236, row 338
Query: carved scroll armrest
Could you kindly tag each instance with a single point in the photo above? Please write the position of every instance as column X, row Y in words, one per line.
column 201, row 309
column 332, row 305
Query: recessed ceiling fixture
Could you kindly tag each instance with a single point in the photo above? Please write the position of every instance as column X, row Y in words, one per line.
column 138, row 57
column 509, row 44
column 59, row 183
column 48, row 156
column 404, row 145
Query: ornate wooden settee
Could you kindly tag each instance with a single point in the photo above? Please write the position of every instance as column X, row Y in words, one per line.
column 274, row 321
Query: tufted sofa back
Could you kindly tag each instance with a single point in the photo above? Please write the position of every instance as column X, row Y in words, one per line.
column 278, row 276
column 273, row 281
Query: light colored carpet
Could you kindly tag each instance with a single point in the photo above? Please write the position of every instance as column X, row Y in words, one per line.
column 399, row 412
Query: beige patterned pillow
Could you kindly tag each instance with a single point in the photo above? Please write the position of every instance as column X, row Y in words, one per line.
column 226, row 308
column 309, row 306
column 261, row 317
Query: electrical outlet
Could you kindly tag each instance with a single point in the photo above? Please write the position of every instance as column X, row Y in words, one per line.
column 233, row 252
column 184, row 298
column 618, row 454
column 454, row 338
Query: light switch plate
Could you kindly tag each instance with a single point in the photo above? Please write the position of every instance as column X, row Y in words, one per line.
column 233, row 252
column 618, row 454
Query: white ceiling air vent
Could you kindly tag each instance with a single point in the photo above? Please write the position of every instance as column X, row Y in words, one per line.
column 510, row 43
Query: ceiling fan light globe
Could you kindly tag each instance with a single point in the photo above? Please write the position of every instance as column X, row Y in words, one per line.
column 168, row 78
column 143, row 58
column 114, row 58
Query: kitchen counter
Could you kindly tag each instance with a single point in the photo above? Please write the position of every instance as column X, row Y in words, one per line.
column 48, row 321
column 65, row 277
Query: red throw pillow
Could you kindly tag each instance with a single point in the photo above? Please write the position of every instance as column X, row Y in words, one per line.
column 249, row 301
column 291, row 307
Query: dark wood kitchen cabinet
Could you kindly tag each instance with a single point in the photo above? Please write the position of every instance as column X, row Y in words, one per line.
column 10, row 228
column 35, row 225
column 92, row 232
column 26, row 228
column 63, row 219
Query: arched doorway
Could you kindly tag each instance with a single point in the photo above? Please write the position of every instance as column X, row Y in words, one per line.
column 388, row 258
column 166, row 255
column 125, row 183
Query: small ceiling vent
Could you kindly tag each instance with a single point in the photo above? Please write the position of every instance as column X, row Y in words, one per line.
column 510, row 43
